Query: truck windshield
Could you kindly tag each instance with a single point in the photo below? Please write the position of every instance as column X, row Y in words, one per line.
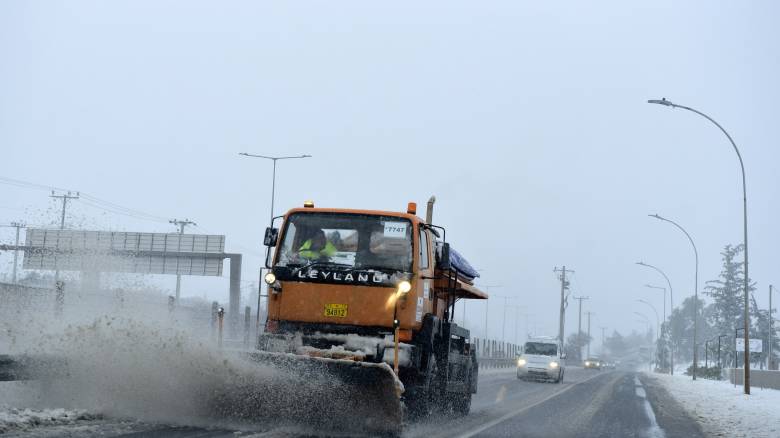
column 353, row 241
column 541, row 349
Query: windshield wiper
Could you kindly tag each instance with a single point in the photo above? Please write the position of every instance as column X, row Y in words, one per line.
column 379, row 268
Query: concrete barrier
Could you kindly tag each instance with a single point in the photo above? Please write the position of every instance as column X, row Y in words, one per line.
column 758, row 378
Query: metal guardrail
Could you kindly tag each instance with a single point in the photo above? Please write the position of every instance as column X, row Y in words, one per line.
column 496, row 362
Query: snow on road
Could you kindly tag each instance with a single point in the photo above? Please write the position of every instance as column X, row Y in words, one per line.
column 723, row 410
column 22, row 420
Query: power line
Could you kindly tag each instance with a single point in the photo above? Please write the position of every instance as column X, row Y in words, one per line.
column 90, row 200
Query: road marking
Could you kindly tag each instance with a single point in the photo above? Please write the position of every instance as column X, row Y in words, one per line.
column 655, row 430
column 500, row 420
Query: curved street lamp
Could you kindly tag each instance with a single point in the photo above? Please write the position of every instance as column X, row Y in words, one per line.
column 657, row 323
column 744, row 226
column 695, row 288
column 671, row 305
column 661, row 288
column 271, row 224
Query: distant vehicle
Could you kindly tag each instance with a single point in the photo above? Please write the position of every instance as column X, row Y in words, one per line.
column 541, row 359
column 592, row 363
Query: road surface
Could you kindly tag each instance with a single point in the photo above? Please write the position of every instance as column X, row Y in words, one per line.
column 587, row 404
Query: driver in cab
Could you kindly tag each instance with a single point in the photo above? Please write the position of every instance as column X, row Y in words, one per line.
column 317, row 247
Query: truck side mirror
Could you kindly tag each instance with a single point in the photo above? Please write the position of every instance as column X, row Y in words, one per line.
column 444, row 256
column 563, row 356
column 271, row 236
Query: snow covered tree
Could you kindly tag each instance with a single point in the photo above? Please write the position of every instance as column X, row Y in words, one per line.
column 575, row 345
column 727, row 295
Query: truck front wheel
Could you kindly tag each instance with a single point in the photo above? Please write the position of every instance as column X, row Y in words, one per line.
column 421, row 397
column 461, row 403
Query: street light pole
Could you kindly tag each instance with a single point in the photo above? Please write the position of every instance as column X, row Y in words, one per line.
column 271, row 222
column 671, row 309
column 661, row 288
column 487, row 306
column 657, row 323
column 506, row 304
column 273, row 175
column 695, row 289
column 745, row 232
column 769, row 365
column 579, row 324
column 663, row 350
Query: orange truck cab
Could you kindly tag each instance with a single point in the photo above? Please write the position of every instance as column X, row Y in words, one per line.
column 372, row 286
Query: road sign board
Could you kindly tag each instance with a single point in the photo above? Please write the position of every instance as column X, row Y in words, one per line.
column 107, row 251
column 756, row 345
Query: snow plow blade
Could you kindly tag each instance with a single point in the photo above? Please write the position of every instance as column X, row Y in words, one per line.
column 334, row 394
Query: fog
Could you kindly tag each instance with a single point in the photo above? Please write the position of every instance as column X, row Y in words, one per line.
column 528, row 121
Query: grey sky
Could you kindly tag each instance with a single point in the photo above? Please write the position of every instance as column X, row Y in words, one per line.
column 528, row 122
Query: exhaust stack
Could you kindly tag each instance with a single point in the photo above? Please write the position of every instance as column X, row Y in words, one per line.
column 429, row 212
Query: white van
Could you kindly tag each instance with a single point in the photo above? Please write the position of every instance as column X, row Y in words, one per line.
column 541, row 359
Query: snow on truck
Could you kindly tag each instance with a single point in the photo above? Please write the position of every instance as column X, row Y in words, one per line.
column 369, row 297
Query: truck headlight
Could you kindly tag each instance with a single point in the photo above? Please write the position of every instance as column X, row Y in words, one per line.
column 521, row 362
column 553, row 364
column 270, row 278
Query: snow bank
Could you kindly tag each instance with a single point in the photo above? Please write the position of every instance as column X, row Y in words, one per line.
column 21, row 420
column 724, row 410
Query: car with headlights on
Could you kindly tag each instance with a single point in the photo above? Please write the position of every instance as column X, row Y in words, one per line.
column 541, row 359
column 592, row 363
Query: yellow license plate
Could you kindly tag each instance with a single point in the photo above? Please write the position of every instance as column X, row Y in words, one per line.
column 336, row 310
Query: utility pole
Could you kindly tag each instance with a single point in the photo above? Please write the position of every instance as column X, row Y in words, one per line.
column 589, row 313
column 20, row 225
column 579, row 324
column 564, row 286
column 65, row 197
column 181, row 225
column 603, row 338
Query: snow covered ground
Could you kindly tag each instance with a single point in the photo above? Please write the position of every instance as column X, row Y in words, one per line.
column 722, row 409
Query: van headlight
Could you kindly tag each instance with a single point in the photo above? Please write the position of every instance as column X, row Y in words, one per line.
column 553, row 364
column 521, row 362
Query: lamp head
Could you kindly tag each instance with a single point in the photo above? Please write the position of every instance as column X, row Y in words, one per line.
column 663, row 101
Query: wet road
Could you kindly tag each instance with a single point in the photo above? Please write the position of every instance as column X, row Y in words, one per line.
column 587, row 404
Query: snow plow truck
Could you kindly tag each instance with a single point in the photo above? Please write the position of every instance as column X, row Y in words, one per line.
column 368, row 297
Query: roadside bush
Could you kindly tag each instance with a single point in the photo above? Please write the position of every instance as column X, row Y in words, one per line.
column 712, row 373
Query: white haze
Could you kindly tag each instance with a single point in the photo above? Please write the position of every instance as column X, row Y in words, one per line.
column 527, row 120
